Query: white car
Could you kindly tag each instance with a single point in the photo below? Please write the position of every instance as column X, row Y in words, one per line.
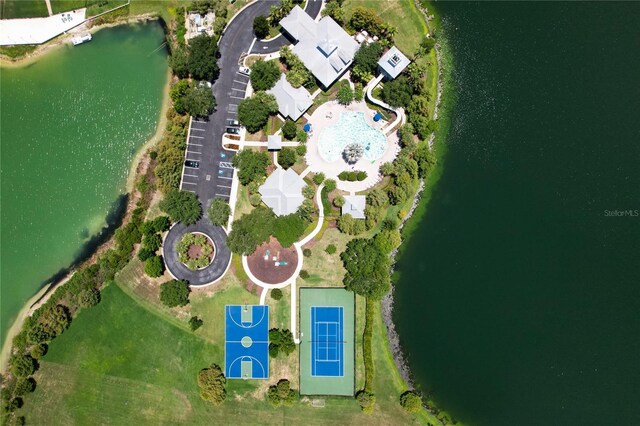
column 244, row 70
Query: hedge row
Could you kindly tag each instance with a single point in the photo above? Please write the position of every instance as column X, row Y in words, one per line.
column 353, row 176
column 367, row 349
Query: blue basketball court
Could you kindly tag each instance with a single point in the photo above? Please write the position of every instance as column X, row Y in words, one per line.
column 246, row 342
column 327, row 341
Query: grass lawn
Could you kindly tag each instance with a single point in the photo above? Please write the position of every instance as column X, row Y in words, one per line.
column 13, row 9
column 17, row 51
column 59, row 6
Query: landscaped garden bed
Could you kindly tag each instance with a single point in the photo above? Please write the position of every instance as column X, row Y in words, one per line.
column 196, row 251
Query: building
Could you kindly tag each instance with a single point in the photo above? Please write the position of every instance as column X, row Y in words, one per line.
column 292, row 102
column 393, row 62
column 354, row 205
column 282, row 191
column 197, row 24
column 324, row 47
column 274, row 142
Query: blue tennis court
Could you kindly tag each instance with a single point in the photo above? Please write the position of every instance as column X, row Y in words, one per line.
column 246, row 342
column 327, row 341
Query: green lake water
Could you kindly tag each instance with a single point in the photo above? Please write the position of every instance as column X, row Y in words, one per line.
column 70, row 126
column 518, row 297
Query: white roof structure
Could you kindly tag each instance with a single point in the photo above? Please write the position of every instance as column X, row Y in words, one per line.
column 393, row 62
column 292, row 102
column 274, row 142
column 282, row 191
column 354, row 205
column 324, row 47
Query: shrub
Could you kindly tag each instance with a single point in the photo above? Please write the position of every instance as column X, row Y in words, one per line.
column 411, row 402
column 161, row 223
column 281, row 394
column 264, row 74
column 204, row 257
column 153, row 155
column 154, row 267
column 301, row 150
column 308, row 191
column 302, row 136
column 338, row 201
column 306, row 252
column 39, row 350
column 24, row 386
column 251, row 165
column 280, row 341
column 261, row 26
column 361, row 175
column 174, row 293
column 289, row 129
column 330, row 185
column 212, row 384
column 276, row 294
column 88, row 297
column 304, row 274
column 298, row 74
column 195, row 323
column 219, row 212
column 182, row 206
column 318, row 178
column 22, row 365
column 254, row 112
column 331, row 249
column 178, row 94
column 152, row 242
column 358, row 93
column 144, row 254
column 345, row 95
column 367, row 401
column 287, row 157
column 255, row 199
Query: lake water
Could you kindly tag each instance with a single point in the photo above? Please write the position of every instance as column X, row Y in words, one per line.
column 518, row 301
column 71, row 124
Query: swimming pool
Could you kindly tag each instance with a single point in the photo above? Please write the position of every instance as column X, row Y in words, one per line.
column 351, row 128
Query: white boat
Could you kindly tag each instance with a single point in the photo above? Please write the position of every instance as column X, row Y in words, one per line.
column 83, row 38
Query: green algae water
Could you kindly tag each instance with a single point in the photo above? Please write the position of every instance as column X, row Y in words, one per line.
column 70, row 125
column 518, row 297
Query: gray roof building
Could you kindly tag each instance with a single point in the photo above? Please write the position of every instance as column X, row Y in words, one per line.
column 274, row 142
column 393, row 62
column 324, row 47
column 282, row 191
column 292, row 102
column 354, row 205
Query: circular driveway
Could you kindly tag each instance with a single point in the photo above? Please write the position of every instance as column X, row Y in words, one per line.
column 204, row 276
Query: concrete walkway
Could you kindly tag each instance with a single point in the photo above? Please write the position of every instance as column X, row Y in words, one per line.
column 39, row 30
column 291, row 280
column 400, row 115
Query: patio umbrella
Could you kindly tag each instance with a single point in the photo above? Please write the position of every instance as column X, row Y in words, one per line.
column 377, row 117
column 307, row 127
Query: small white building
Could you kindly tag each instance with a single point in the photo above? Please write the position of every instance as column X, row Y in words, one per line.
column 197, row 24
column 393, row 62
column 292, row 102
column 274, row 142
column 282, row 191
column 354, row 205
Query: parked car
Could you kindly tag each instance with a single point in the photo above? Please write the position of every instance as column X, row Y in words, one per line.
column 191, row 163
column 244, row 70
column 233, row 130
column 233, row 123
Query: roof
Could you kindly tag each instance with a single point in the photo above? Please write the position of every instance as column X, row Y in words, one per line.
column 324, row 47
column 274, row 142
column 282, row 191
column 292, row 102
column 393, row 62
column 354, row 205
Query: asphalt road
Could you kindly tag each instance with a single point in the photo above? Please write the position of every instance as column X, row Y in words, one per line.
column 213, row 176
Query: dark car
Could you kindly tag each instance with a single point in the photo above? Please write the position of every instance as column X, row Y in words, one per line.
column 234, row 130
column 192, row 164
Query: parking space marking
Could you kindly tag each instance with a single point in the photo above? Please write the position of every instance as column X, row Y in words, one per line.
column 223, row 177
column 200, row 130
column 223, row 195
column 226, row 165
column 197, row 137
column 235, row 97
column 194, row 144
column 223, row 186
column 190, row 175
column 188, row 190
column 187, row 167
column 189, row 183
column 194, row 152
column 241, row 82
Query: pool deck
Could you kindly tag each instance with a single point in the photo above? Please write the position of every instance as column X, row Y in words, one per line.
column 328, row 114
column 39, row 30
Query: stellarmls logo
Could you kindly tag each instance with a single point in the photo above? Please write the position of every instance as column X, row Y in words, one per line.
column 621, row 213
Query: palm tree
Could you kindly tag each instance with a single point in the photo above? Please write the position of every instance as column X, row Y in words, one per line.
column 352, row 153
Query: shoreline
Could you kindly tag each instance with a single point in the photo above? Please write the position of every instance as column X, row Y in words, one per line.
column 137, row 167
column 397, row 352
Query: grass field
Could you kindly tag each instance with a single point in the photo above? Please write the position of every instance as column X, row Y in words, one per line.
column 13, row 9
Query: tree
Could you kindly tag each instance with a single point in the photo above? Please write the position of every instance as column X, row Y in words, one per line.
column 330, row 185
column 410, row 401
column 318, row 178
column 22, row 365
column 308, row 191
column 331, row 249
column 338, row 201
column 251, row 165
column 277, row 12
column 161, row 223
column 276, row 294
column 261, row 26
column 280, row 341
column 287, row 157
column 199, row 101
column 367, row 19
column 88, row 297
column 358, row 93
column 174, row 293
column 182, row 206
column 212, row 384
column 302, row 136
column 426, row 45
column 24, row 386
column 264, row 74
column 289, row 129
column 39, row 350
column 366, row 61
column 254, row 112
column 289, row 228
column 281, row 393
column 367, row 269
column 304, row 274
column 152, row 242
column 195, row 323
column 425, row 159
column 250, row 231
column 178, row 93
column 298, row 74
column 388, row 240
column 377, row 198
column 219, row 212
column 179, row 62
column 367, row 401
column 333, row 9
column 405, row 134
column 345, row 95
column 203, row 63
column 353, row 153
column 306, row 252
column 144, row 254
column 154, row 267
column 398, row 92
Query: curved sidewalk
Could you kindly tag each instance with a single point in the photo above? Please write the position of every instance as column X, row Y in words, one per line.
column 202, row 277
